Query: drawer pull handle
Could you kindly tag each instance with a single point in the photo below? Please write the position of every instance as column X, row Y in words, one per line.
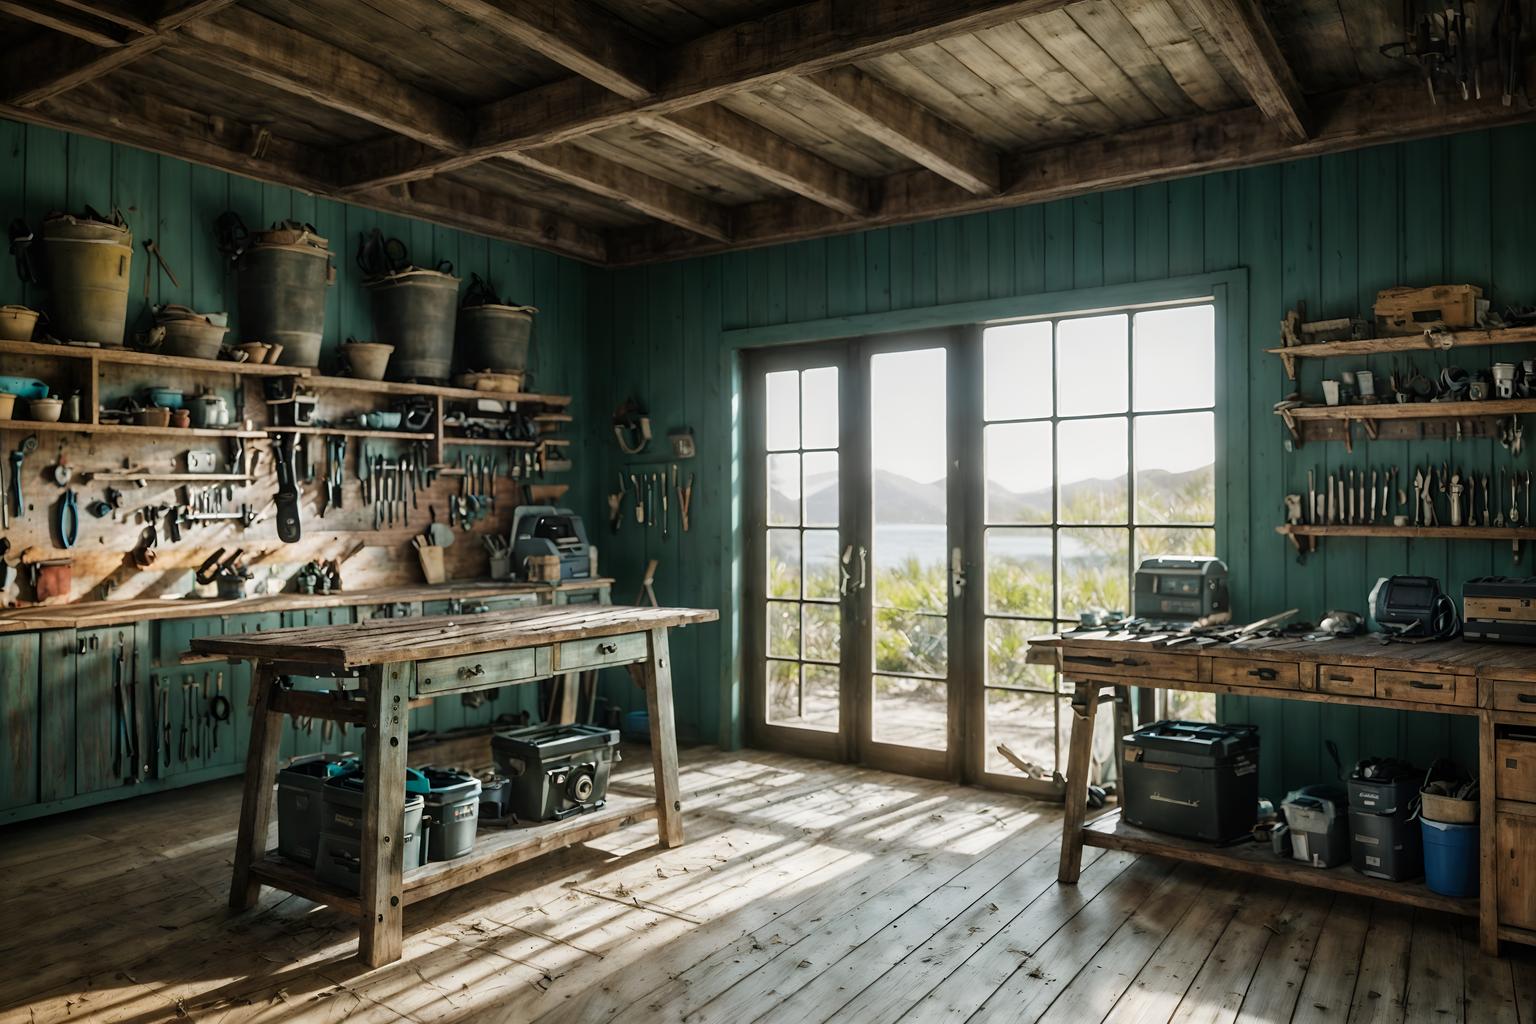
column 607, row 647
column 1419, row 684
column 1340, row 679
column 1088, row 659
column 465, row 672
column 1526, row 698
column 1267, row 674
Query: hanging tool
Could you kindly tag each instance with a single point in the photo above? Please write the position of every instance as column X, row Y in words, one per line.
column 685, row 502
column 288, row 526
column 18, row 459
column 67, row 519
column 183, row 739
column 662, row 486
column 634, row 485
column 165, row 723
column 616, row 506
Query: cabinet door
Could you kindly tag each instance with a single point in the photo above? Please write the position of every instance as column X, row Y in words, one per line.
column 19, row 699
column 1516, row 842
column 234, row 735
column 56, row 714
column 316, row 737
column 106, row 719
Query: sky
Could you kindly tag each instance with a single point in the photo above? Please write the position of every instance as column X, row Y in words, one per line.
column 1171, row 366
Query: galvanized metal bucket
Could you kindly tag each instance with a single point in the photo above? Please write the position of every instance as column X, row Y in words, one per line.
column 493, row 337
column 414, row 311
column 282, row 299
column 89, row 264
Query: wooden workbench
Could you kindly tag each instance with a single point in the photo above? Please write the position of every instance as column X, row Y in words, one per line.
column 1496, row 683
column 399, row 660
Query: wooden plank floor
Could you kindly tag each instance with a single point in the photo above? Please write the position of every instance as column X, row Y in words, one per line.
column 807, row 892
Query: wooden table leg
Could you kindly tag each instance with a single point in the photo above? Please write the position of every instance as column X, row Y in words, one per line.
column 1085, row 704
column 656, row 678
column 1124, row 725
column 382, row 892
column 1487, row 838
column 257, row 797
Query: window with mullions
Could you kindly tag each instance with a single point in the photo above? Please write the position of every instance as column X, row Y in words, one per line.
column 1100, row 442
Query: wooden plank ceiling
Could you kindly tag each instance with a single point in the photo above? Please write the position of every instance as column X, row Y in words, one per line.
column 627, row 131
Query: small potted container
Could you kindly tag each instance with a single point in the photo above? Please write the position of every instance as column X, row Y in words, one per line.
column 46, row 410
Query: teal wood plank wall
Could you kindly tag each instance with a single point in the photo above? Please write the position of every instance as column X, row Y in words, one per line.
column 1331, row 231
column 176, row 203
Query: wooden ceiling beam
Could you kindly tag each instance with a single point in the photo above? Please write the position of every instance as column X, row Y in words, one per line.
column 747, row 146
column 800, row 40
column 39, row 71
column 579, row 36
column 904, row 126
column 84, row 29
column 1385, row 112
column 115, row 13
column 1243, row 32
column 628, row 187
column 269, row 52
column 117, row 114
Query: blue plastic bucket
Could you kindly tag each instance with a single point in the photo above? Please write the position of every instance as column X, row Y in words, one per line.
column 636, row 727
column 1450, row 858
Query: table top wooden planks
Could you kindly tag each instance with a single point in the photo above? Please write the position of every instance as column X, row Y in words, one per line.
column 1455, row 657
column 382, row 641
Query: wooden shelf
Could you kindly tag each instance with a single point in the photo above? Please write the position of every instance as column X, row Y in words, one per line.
column 1515, row 533
column 502, row 442
column 212, row 478
column 397, row 435
column 1110, row 832
column 389, row 387
column 495, row 850
column 127, row 356
column 1414, row 410
column 123, row 429
column 1404, row 343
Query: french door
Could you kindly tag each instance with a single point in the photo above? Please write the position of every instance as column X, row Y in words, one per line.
column 853, row 551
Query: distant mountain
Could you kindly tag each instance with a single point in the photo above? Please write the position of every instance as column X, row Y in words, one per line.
column 903, row 500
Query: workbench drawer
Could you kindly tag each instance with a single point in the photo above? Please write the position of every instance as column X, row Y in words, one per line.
column 1513, row 695
column 473, row 671
column 1426, row 687
column 1347, row 680
column 1514, row 769
column 1130, row 662
column 595, row 652
column 1272, row 675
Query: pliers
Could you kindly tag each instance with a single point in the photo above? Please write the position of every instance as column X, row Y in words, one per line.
column 68, row 519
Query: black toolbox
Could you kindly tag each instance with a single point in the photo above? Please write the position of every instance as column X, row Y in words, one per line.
column 555, row 770
column 1385, row 840
column 1193, row 779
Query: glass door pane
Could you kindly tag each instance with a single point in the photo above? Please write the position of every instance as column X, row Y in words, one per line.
column 801, row 603
column 908, row 696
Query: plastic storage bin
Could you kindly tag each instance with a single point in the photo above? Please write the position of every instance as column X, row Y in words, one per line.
column 1450, row 857
column 451, row 813
column 300, row 806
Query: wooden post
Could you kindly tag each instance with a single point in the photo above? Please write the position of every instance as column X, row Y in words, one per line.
column 1487, row 837
column 382, row 892
column 656, row 678
column 1085, row 704
column 257, row 797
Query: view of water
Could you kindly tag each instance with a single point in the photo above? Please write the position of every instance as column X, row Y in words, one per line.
column 928, row 543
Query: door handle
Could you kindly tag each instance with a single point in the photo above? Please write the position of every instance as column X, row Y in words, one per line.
column 956, row 573
column 863, row 567
column 845, row 580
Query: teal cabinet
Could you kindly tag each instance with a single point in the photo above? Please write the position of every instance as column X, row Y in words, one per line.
column 56, row 715
column 109, row 709
column 309, row 736
column 20, row 700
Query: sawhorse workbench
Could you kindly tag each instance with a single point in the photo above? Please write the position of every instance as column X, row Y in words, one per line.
column 1495, row 683
column 386, row 663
